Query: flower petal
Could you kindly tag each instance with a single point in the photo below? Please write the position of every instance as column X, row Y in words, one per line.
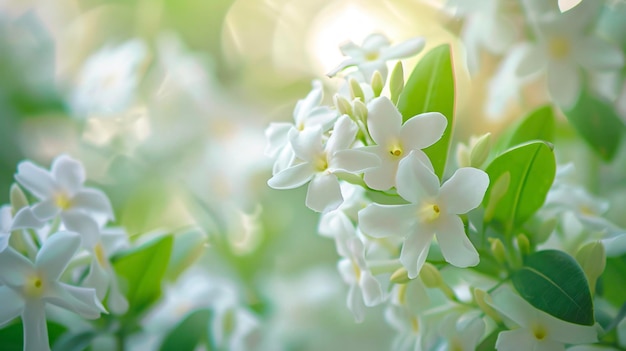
column 343, row 135
column 56, row 253
column 564, row 83
column 381, row 221
column 383, row 121
column 305, row 106
column 93, row 201
column 415, row 250
column 455, row 246
column 35, row 179
column 12, row 305
column 68, row 173
column 407, row 48
column 277, row 137
column 35, row 327
column 533, row 60
column 25, row 218
column 307, row 144
column 46, row 209
column 596, row 54
column 292, row 177
column 14, row 268
column 344, row 64
column 356, row 304
column 464, row 191
column 324, row 193
column 423, row 130
column 416, row 181
column 518, row 339
column 82, row 224
column 375, row 42
column 382, row 177
column 346, row 271
column 353, row 161
column 372, row 291
column 76, row 299
column 97, row 279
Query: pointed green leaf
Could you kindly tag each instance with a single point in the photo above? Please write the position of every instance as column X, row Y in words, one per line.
column 596, row 121
column 553, row 282
column 192, row 331
column 531, row 169
column 430, row 88
column 141, row 271
column 537, row 125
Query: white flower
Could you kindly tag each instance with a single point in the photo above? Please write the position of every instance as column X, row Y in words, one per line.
column 108, row 80
column 320, row 163
column 307, row 114
column 232, row 326
column 394, row 141
column 566, row 5
column 29, row 287
column 461, row 334
column 365, row 290
column 374, row 53
column 564, row 46
column 61, row 192
column 433, row 211
column 6, row 219
column 537, row 330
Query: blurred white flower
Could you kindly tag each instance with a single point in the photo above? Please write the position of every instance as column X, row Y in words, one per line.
column 320, row 163
column 564, row 46
column 108, row 81
column 6, row 219
column 536, row 329
column 61, row 192
column 29, row 287
column 566, row 5
column 365, row 290
column 461, row 333
column 394, row 140
column 433, row 211
column 374, row 53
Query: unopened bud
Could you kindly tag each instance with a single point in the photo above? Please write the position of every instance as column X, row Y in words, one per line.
column 396, row 82
column 481, row 296
column 377, row 83
column 480, row 150
column 463, row 155
column 592, row 259
column 400, row 276
column 430, row 276
column 355, row 90
column 343, row 105
column 523, row 244
column 497, row 248
column 360, row 111
column 18, row 199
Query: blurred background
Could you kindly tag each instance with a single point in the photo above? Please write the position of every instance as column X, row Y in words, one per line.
column 194, row 85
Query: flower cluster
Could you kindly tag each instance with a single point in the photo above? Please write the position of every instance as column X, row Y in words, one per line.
column 41, row 240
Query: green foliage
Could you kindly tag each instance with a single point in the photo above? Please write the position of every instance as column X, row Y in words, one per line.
column 613, row 280
column 598, row 124
column 74, row 341
column 537, row 125
column 430, row 88
column 530, row 169
column 189, row 333
column 142, row 269
column 12, row 336
column 553, row 282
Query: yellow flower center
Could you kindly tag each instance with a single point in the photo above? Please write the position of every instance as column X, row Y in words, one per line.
column 357, row 271
column 559, row 47
column 539, row 332
column 62, row 201
column 415, row 326
column 34, row 286
column 396, row 150
column 429, row 212
column 321, row 164
column 455, row 345
column 402, row 294
column 372, row 56
column 100, row 255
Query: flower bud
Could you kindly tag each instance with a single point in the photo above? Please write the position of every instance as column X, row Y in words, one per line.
column 497, row 248
column 592, row 259
column 480, row 149
column 343, row 105
column 480, row 297
column 396, row 82
column 463, row 155
column 18, row 199
column 400, row 276
column 523, row 244
column 430, row 276
column 360, row 111
column 355, row 90
column 377, row 83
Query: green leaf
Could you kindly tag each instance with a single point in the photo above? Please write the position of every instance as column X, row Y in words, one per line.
column 596, row 121
column 553, row 282
column 74, row 341
column 142, row 269
column 430, row 88
column 12, row 335
column 612, row 282
column 537, row 125
column 190, row 332
column 531, row 168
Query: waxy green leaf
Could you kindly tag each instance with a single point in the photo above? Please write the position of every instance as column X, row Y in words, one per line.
column 552, row 281
column 531, row 169
column 430, row 88
column 537, row 125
